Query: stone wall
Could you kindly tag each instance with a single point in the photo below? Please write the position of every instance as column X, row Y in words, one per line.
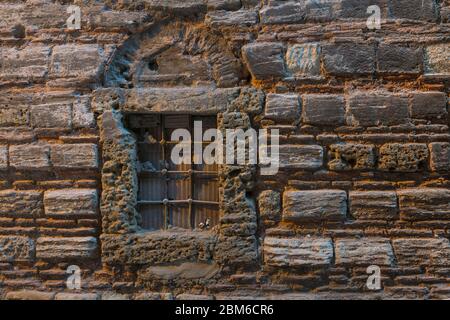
column 364, row 154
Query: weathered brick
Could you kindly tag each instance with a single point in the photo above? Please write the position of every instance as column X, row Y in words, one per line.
column 413, row 9
column 282, row 107
column 440, row 156
column 21, row 203
column 408, row 157
column 300, row 157
column 429, row 105
column 77, row 61
column 282, row 12
column 71, row 202
column 234, row 18
column 364, row 251
column 356, row 9
column 374, row 109
column 373, row 205
column 17, row 115
column 224, row 4
column 323, row 110
column 348, row 59
column 437, row 59
column 424, row 204
column 349, row 156
column 29, row 295
column 298, row 252
column 180, row 100
column 16, row 248
column 29, row 63
column 82, row 115
column 51, row 116
column 114, row 20
column 10, row 14
column 269, row 203
column 3, row 158
column 265, row 60
column 315, row 205
column 422, row 252
column 29, row 157
column 303, row 60
column 76, row 296
column 74, row 156
column 179, row 7
column 63, row 249
column 394, row 59
column 44, row 16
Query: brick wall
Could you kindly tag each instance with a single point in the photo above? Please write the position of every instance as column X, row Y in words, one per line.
column 364, row 154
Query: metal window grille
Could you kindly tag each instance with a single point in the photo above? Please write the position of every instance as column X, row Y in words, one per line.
column 184, row 196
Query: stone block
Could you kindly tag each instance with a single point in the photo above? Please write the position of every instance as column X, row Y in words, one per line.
column 222, row 18
column 187, row 7
column 440, row 156
column 314, row 205
column 282, row 107
column 374, row 109
column 410, row 157
column 265, row 60
column 3, row 158
column 349, row 156
column 114, row 19
column 437, row 59
column 395, row 59
column 82, row 61
column 224, row 4
column 348, row 59
column 76, row 296
column 14, row 116
column 181, row 100
column 303, row 60
column 29, row 295
column 323, row 110
column 74, row 156
column 16, row 249
column 413, row 9
column 298, row 252
column 424, row 204
column 422, row 251
column 44, row 15
column 82, row 115
column 16, row 203
column 71, row 202
column 29, row 157
column 64, row 249
column 283, row 12
column 29, row 63
column 51, row 116
column 373, row 205
column 269, row 203
column 307, row 157
column 364, row 251
column 429, row 105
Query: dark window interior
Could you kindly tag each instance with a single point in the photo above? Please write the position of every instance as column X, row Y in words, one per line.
column 184, row 196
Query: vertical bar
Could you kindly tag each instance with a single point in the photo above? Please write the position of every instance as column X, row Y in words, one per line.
column 165, row 177
column 191, row 185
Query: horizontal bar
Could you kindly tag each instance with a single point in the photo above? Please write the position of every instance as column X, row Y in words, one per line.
column 166, row 201
column 178, row 172
column 174, row 142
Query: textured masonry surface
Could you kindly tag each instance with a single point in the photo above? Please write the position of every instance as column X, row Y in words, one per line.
column 364, row 157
